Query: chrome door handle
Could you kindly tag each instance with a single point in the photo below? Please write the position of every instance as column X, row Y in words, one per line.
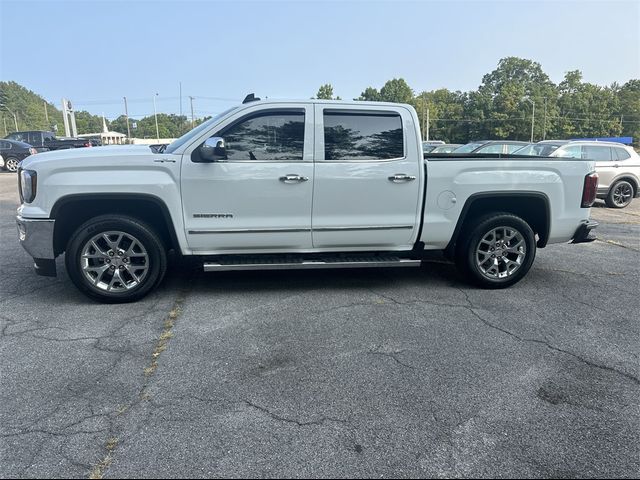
column 401, row 177
column 293, row 178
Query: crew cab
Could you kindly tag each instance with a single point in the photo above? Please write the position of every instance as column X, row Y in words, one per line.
column 44, row 139
column 308, row 184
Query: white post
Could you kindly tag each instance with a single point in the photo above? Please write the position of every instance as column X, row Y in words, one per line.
column 155, row 114
column 65, row 118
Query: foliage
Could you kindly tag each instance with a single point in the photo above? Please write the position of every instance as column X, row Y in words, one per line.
column 325, row 92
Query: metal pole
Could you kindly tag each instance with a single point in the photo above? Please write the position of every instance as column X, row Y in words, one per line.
column 427, row 124
column 423, row 132
column 15, row 119
column 126, row 114
column 544, row 123
column 191, row 100
column 533, row 117
column 46, row 114
column 155, row 114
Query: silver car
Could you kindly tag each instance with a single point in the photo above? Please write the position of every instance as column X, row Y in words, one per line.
column 617, row 165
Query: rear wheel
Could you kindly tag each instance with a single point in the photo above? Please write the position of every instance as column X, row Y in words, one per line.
column 620, row 194
column 115, row 259
column 497, row 250
column 12, row 164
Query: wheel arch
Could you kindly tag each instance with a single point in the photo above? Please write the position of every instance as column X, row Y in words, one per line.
column 71, row 211
column 532, row 207
column 635, row 183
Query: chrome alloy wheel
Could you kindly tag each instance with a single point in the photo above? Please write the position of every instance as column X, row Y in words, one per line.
column 622, row 194
column 500, row 252
column 12, row 164
column 114, row 261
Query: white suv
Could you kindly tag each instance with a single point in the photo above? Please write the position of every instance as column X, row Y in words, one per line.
column 618, row 168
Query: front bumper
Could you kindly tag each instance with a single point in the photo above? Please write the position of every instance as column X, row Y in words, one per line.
column 583, row 233
column 36, row 237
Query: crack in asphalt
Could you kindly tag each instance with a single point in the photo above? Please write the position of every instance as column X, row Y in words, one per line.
column 280, row 418
column 472, row 309
column 391, row 355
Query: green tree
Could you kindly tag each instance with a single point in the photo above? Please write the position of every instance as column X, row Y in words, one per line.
column 325, row 92
column 370, row 94
column 585, row 109
column 629, row 109
column 502, row 106
column 396, row 90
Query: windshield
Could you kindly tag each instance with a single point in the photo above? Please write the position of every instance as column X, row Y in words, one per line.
column 467, row 148
column 537, row 150
column 191, row 134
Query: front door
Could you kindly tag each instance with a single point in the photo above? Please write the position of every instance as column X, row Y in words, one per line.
column 258, row 199
column 367, row 178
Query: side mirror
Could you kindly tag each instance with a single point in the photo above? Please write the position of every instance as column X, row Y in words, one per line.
column 213, row 150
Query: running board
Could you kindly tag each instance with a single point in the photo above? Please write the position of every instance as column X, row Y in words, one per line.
column 300, row 264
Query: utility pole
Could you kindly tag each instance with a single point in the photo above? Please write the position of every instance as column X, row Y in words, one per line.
column 533, row 116
column 46, row 114
column 544, row 122
column 155, row 114
column 126, row 115
column 427, row 124
column 4, row 119
column 423, row 132
column 181, row 123
column 191, row 100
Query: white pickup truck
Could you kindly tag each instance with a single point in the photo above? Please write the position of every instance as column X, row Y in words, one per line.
column 295, row 184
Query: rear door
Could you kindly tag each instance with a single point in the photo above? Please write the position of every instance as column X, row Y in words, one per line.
column 606, row 163
column 368, row 178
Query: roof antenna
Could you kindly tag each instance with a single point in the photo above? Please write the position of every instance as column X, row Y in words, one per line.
column 250, row 98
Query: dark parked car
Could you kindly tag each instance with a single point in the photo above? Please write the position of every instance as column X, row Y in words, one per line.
column 41, row 138
column 13, row 152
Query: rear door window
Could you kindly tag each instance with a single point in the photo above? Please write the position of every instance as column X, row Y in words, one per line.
column 597, row 153
column 362, row 136
column 571, row 151
column 621, row 153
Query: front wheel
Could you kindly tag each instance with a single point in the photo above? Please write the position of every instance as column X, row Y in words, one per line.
column 115, row 259
column 12, row 164
column 620, row 194
column 497, row 250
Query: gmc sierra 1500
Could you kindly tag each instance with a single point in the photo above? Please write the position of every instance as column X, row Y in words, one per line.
column 295, row 184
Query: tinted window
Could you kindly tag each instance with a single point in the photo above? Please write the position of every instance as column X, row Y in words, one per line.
column 34, row 138
column 18, row 137
column 572, row 151
column 599, row 154
column 267, row 136
column 621, row 153
column 5, row 145
column 49, row 136
column 362, row 136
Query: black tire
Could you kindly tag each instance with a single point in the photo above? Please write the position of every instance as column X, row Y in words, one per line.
column 511, row 266
column 149, row 257
column 620, row 194
column 11, row 164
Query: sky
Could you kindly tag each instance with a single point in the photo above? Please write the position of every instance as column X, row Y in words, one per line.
column 96, row 52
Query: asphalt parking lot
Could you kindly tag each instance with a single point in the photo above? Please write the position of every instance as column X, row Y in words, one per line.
column 373, row 373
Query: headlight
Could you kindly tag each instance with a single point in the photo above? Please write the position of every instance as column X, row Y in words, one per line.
column 28, row 180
